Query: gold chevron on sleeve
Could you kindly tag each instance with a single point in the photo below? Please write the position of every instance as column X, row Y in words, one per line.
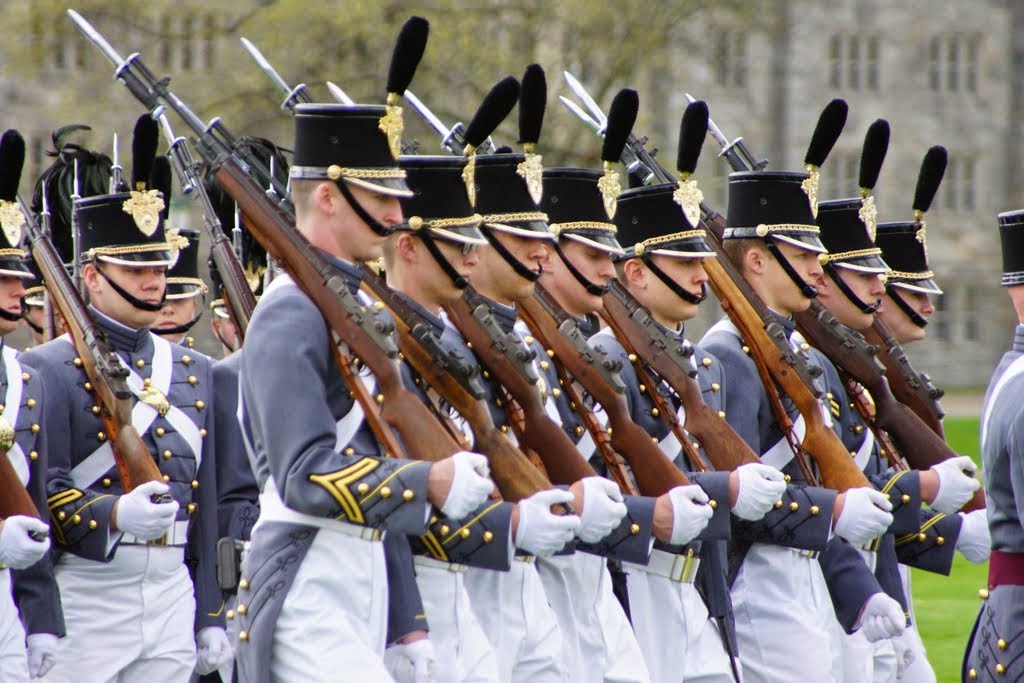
column 63, row 498
column 337, row 484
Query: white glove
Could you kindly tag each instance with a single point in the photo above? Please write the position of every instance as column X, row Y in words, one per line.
column 603, row 509
column 471, row 485
column 761, row 486
column 881, row 617
column 956, row 483
column 139, row 516
column 414, row 662
column 539, row 531
column 18, row 550
column 974, row 541
column 42, row 653
column 865, row 516
column 213, row 649
column 690, row 513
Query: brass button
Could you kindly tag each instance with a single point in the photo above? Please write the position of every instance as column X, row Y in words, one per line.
column 408, row 495
column 192, row 380
column 35, row 428
column 706, row 362
column 806, row 347
column 654, row 439
column 241, row 609
column 243, row 636
column 486, row 374
column 380, row 398
column 192, row 507
column 905, row 498
column 95, row 410
column 544, row 365
column 488, row 537
column 643, row 389
column 1001, row 644
column 31, row 403
column 445, row 529
column 1000, row 669
column 498, row 402
column 186, row 359
column 25, row 377
column 469, row 345
column 77, row 362
column 77, row 519
column 551, row 354
column 528, row 339
column 632, row 358
column 716, row 387
column 363, row 487
column 167, row 478
column 786, row 478
column 230, row 615
column 160, row 431
column 106, row 481
column 713, row 504
column 504, row 429
column 983, row 594
column 721, row 414
column 857, row 429
column 578, row 431
column 815, row 510
column 972, row 674
column 244, row 584
column 778, row 504
column 350, row 451
column 655, row 412
column 200, row 405
column 87, row 386
column 62, row 515
column 746, row 349
column 378, row 305
column 140, row 363
column 93, row 524
column 167, row 455
column 556, row 392
column 195, row 484
column 100, row 436
column 634, row 529
column 794, row 506
column 33, row 455
column 939, row 540
column 465, row 533
column 922, row 536
column 148, row 382
column 202, row 433
column 385, row 491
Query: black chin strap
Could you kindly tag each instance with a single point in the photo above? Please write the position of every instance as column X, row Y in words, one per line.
column 591, row 287
column 807, row 289
column 680, row 291
column 517, row 265
column 845, row 289
column 14, row 317
column 914, row 316
column 180, row 329
column 137, row 303
column 446, row 266
column 374, row 224
column 38, row 329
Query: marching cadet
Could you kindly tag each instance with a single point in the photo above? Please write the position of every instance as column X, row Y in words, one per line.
column 121, row 570
column 779, row 594
column 995, row 646
column 24, row 541
column 851, row 287
column 34, row 304
column 428, row 262
column 327, row 493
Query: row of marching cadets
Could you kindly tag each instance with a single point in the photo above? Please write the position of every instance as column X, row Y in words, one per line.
column 360, row 564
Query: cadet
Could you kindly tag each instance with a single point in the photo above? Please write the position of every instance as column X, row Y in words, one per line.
column 24, row 560
column 784, row 624
column 122, row 574
column 185, row 292
column 35, row 304
column 315, row 557
column 994, row 649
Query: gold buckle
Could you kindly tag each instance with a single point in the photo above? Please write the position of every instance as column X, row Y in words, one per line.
column 684, row 568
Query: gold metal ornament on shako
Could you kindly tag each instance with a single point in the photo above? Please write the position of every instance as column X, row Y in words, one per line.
column 810, row 188
column 145, row 207
column 610, row 187
column 689, row 197
column 11, row 220
column 531, row 169
column 869, row 215
column 392, row 125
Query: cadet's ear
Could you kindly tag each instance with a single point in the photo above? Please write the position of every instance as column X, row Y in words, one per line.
column 755, row 260
column 636, row 273
column 90, row 277
column 405, row 246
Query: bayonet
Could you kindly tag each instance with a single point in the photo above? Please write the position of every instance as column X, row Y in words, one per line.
column 340, row 94
column 735, row 152
column 292, row 95
column 115, row 171
column 580, row 114
column 453, row 139
column 588, row 101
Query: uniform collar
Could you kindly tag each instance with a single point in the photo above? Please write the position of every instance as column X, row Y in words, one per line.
column 505, row 315
column 436, row 323
column 1018, row 339
column 789, row 324
column 122, row 337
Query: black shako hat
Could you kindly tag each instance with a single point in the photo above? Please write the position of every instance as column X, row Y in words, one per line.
column 763, row 203
column 439, row 205
column 126, row 228
column 344, row 143
column 576, row 210
column 847, row 237
column 1011, row 234
column 651, row 221
column 904, row 250
column 503, row 200
column 183, row 279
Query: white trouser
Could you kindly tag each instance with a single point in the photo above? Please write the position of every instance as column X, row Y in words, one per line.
column 465, row 654
column 597, row 642
column 518, row 621
column 13, row 659
column 784, row 617
column 131, row 619
column 679, row 641
column 910, row 643
column 333, row 623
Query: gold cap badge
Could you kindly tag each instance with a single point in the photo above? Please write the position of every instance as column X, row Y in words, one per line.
column 145, row 207
column 11, row 220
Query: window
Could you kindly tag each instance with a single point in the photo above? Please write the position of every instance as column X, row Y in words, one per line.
column 730, row 59
column 953, row 63
column 940, row 320
column 842, row 175
column 854, row 62
column 959, row 184
column 187, row 43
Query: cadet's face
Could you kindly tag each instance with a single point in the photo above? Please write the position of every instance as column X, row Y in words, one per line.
column 354, row 239
column 867, row 287
column 897, row 321
column 224, row 329
column 12, row 290
column 497, row 279
column 666, row 306
column 177, row 312
column 463, row 259
column 594, row 264
column 779, row 291
column 146, row 283
column 37, row 316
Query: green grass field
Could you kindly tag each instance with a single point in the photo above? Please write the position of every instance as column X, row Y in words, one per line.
column 947, row 605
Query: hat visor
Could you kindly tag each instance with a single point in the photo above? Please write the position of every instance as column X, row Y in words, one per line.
column 220, row 309
column 182, row 290
column 535, row 230
column 600, row 240
column 392, row 187
column 158, row 256
column 469, row 234
column 15, row 267
column 808, row 241
column 925, row 286
column 864, row 264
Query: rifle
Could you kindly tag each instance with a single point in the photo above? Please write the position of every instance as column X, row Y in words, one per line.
column 643, row 337
column 599, row 376
column 459, row 385
column 294, row 95
column 103, row 368
column 357, row 330
column 912, row 388
column 510, row 362
column 236, row 291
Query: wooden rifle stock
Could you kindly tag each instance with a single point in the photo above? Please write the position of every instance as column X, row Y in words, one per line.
column 238, row 297
column 789, row 372
column 654, row 473
column 369, row 339
column 724, row 447
column 14, row 498
column 473, row 317
column 910, row 387
column 514, row 475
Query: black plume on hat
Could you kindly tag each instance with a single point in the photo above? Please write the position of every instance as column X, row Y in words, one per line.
column 409, row 48
column 495, row 108
column 12, row 161
column 621, row 117
column 145, row 140
column 928, row 180
column 693, row 129
column 533, row 94
column 876, row 145
column 827, row 132
column 160, row 179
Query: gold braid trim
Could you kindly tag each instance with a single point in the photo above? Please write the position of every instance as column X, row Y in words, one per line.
column 646, row 245
column 133, row 249
column 763, row 229
column 559, row 228
column 188, row 281
column 416, row 222
column 13, row 252
column 905, row 275
column 334, row 172
column 842, row 255
column 522, row 216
